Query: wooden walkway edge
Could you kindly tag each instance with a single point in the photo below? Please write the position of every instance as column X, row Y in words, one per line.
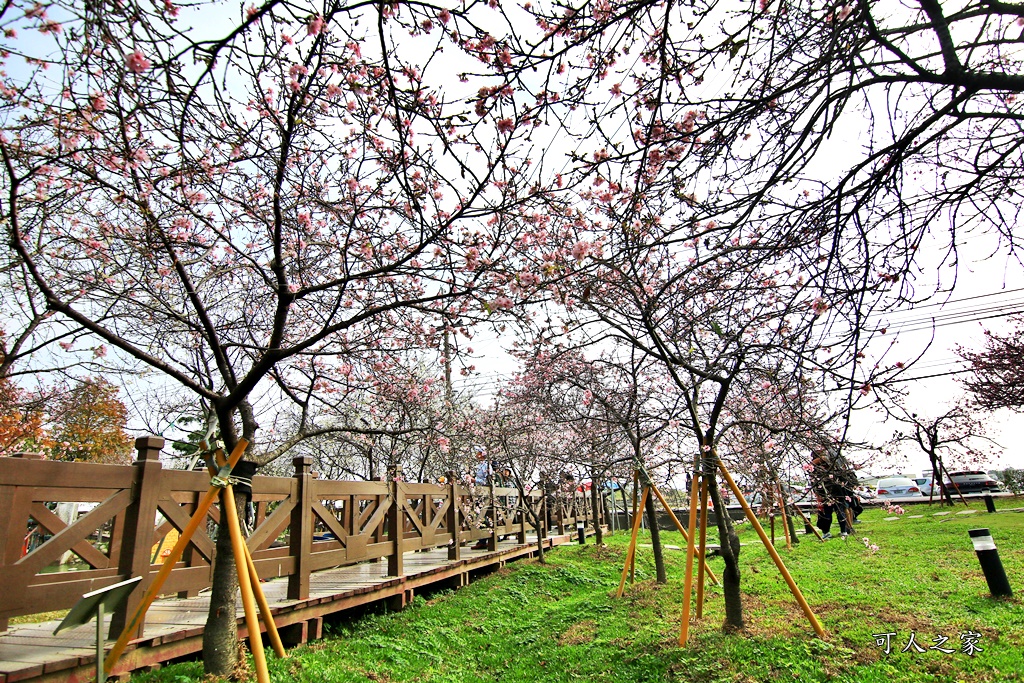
column 174, row 627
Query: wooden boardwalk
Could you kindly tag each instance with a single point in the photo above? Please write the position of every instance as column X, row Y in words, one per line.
column 174, row 626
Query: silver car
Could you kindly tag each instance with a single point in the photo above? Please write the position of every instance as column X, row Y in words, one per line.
column 896, row 487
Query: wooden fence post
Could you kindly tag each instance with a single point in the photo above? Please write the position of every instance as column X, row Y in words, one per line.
column 12, row 528
column 453, row 521
column 300, row 532
column 492, row 542
column 396, row 529
column 521, row 503
column 139, row 522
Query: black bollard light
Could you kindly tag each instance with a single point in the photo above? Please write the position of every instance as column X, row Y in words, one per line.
column 990, row 504
column 991, row 565
column 808, row 529
column 579, row 532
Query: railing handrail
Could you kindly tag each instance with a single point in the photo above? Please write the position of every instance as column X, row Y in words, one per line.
column 301, row 524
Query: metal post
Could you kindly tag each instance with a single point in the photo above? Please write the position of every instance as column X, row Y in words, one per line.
column 101, row 640
column 581, row 536
column 991, row 565
column 990, row 504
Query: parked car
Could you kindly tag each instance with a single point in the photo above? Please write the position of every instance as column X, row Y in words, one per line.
column 896, row 487
column 925, row 484
column 973, row 481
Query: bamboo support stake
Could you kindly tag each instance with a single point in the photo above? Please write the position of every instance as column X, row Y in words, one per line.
column 771, row 551
column 636, row 512
column 261, row 600
column 252, row 622
column 785, row 518
column 702, row 547
column 631, row 551
column 165, row 569
column 257, row 589
column 807, row 522
column 684, row 632
column 679, row 526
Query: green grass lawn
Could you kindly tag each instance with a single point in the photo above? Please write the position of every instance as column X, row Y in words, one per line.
column 561, row 622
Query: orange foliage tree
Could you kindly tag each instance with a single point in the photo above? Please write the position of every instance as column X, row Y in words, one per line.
column 88, row 423
column 20, row 426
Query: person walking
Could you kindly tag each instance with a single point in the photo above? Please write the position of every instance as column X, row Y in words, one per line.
column 829, row 487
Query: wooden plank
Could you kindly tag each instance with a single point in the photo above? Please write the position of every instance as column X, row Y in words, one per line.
column 272, row 488
column 14, row 503
column 54, row 494
column 70, row 475
column 325, row 489
column 267, row 532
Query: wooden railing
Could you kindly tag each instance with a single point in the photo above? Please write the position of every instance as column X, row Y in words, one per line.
column 302, row 524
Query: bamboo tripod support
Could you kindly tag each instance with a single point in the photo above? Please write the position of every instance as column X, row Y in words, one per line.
column 638, row 511
column 785, row 518
column 807, row 522
column 247, row 576
column 702, row 547
column 752, row 518
column 695, row 486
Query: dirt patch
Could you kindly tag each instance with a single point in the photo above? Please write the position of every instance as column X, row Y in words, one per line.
column 886, row 618
column 642, row 593
column 579, row 633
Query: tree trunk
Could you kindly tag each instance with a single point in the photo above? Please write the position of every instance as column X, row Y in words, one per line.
column 220, row 637
column 730, row 551
column 539, row 526
column 595, row 505
column 790, row 511
column 652, row 522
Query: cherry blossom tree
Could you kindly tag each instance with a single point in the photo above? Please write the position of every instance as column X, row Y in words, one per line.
column 996, row 379
column 954, row 437
column 606, row 399
column 531, row 448
column 873, row 130
column 254, row 205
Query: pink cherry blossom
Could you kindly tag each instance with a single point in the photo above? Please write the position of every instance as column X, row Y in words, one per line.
column 315, row 26
column 506, row 125
column 136, row 62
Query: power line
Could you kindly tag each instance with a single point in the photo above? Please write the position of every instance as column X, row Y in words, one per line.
column 938, row 374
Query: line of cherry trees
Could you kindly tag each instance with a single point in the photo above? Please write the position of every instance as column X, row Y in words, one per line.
column 287, row 220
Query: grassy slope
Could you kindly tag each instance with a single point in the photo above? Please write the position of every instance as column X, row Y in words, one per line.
column 559, row 622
